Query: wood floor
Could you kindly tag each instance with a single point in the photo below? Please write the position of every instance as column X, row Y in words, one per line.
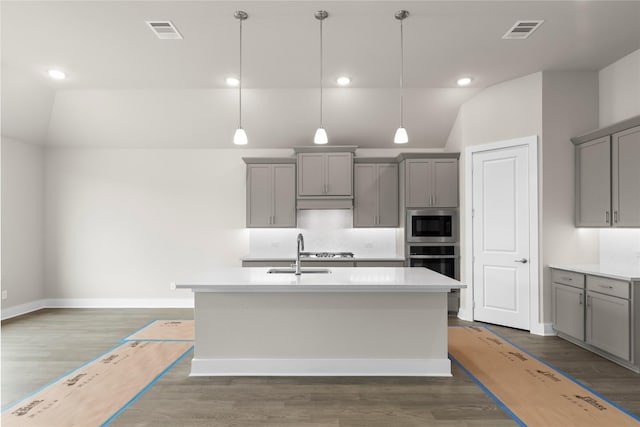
column 42, row 346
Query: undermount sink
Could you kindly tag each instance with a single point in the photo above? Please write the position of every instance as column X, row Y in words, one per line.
column 302, row 270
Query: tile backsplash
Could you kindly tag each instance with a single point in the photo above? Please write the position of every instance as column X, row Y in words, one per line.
column 324, row 230
column 620, row 248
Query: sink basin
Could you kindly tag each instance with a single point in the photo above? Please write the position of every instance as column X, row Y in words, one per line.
column 302, row 270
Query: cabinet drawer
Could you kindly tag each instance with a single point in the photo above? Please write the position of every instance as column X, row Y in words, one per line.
column 603, row 285
column 567, row 278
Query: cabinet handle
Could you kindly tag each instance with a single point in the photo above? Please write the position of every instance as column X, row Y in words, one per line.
column 581, row 299
column 607, row 217
column 588, row 301
column 522, row 260
column 606, row 286
column 615, row 216
column 567, row 278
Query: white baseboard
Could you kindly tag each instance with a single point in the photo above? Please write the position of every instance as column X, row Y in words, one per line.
column 120, row 303
column 20, row 309
column 321, row 367
column 29, row 307
column 544, row 329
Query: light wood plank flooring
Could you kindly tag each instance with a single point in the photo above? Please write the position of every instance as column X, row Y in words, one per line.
column 39, row 347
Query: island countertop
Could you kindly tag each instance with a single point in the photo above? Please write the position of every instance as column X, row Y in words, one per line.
column 343, row 279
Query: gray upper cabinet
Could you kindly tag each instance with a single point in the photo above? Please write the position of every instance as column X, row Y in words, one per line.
column 271, row 195
column 626, row 178
column 376, row 195
column 325, row 174
column 431, row 182
column 593, row 178
column 608, row 177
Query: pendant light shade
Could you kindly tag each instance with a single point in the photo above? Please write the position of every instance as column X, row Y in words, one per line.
column 321, row 135
column 401, row 136
column 240, row 137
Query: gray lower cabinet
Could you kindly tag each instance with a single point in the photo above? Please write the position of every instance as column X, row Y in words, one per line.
column 398, row 263
column 568, row 303
column 271, row 195
column 376, row 195
column 608, row 317
column 431, row 182
column 359, row 263
column 599, row 314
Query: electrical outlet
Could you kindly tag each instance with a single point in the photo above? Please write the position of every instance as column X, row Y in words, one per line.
column 4, row 294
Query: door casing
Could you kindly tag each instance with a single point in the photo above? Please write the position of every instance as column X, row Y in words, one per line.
column 466, row 309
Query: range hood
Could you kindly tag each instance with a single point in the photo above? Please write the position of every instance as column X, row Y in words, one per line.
column 325, row 203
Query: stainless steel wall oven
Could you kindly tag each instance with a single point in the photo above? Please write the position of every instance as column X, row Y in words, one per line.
column 443, row 259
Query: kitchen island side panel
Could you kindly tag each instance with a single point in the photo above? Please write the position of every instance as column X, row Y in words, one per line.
column 373, row 333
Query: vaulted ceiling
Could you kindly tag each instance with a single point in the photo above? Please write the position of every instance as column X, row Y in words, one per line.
column 125, row 87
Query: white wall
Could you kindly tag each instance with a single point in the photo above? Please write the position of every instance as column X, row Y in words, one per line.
column 509, row 110
column 26, row 106
column 125, row 223
column 620, row 89
column 569, row 108
column 619, row 100
column 22, row 222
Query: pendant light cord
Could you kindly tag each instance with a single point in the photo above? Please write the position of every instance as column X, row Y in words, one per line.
column 401, row 73
column 321, row 74
column 240, row 84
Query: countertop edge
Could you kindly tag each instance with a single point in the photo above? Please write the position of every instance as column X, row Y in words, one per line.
column 280, row 288
column 597, row 270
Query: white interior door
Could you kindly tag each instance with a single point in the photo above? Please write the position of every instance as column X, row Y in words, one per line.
column 501, row 236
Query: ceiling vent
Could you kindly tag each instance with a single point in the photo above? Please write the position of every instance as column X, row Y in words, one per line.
column 522, row 29
column 165, row 30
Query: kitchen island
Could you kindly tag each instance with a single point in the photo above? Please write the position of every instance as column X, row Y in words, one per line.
column 349, row 321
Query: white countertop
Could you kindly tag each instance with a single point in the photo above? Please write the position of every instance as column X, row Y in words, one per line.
column 341, row 279
column 628, row 274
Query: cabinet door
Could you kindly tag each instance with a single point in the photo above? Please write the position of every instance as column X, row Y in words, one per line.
column 418, row 183
column 259, row 195
column 608, row 323
column 445, row 183
column 339, row 174
column 626, row 178
column 365, row 208
column 388, row 195
column 568, row 310
column 311, row 168
column 284, row 196
column 593, row 184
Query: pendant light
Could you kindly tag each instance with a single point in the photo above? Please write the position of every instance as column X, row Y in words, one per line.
column 401, row 136
column 321, row 135
column 240, row 137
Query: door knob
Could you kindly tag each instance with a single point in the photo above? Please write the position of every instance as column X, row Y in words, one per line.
column 522, row 260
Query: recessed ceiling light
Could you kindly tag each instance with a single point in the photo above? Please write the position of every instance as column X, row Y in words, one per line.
column 464, row 81
column 57, row 74
column 232, row 81
column 343, row 80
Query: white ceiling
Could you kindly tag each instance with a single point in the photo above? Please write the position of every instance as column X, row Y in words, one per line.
column 106, row 48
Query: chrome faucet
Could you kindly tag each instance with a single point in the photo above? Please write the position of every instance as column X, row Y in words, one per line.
column 300, row 248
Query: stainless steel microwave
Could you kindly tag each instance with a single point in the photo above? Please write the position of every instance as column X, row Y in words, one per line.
column 432, row 225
